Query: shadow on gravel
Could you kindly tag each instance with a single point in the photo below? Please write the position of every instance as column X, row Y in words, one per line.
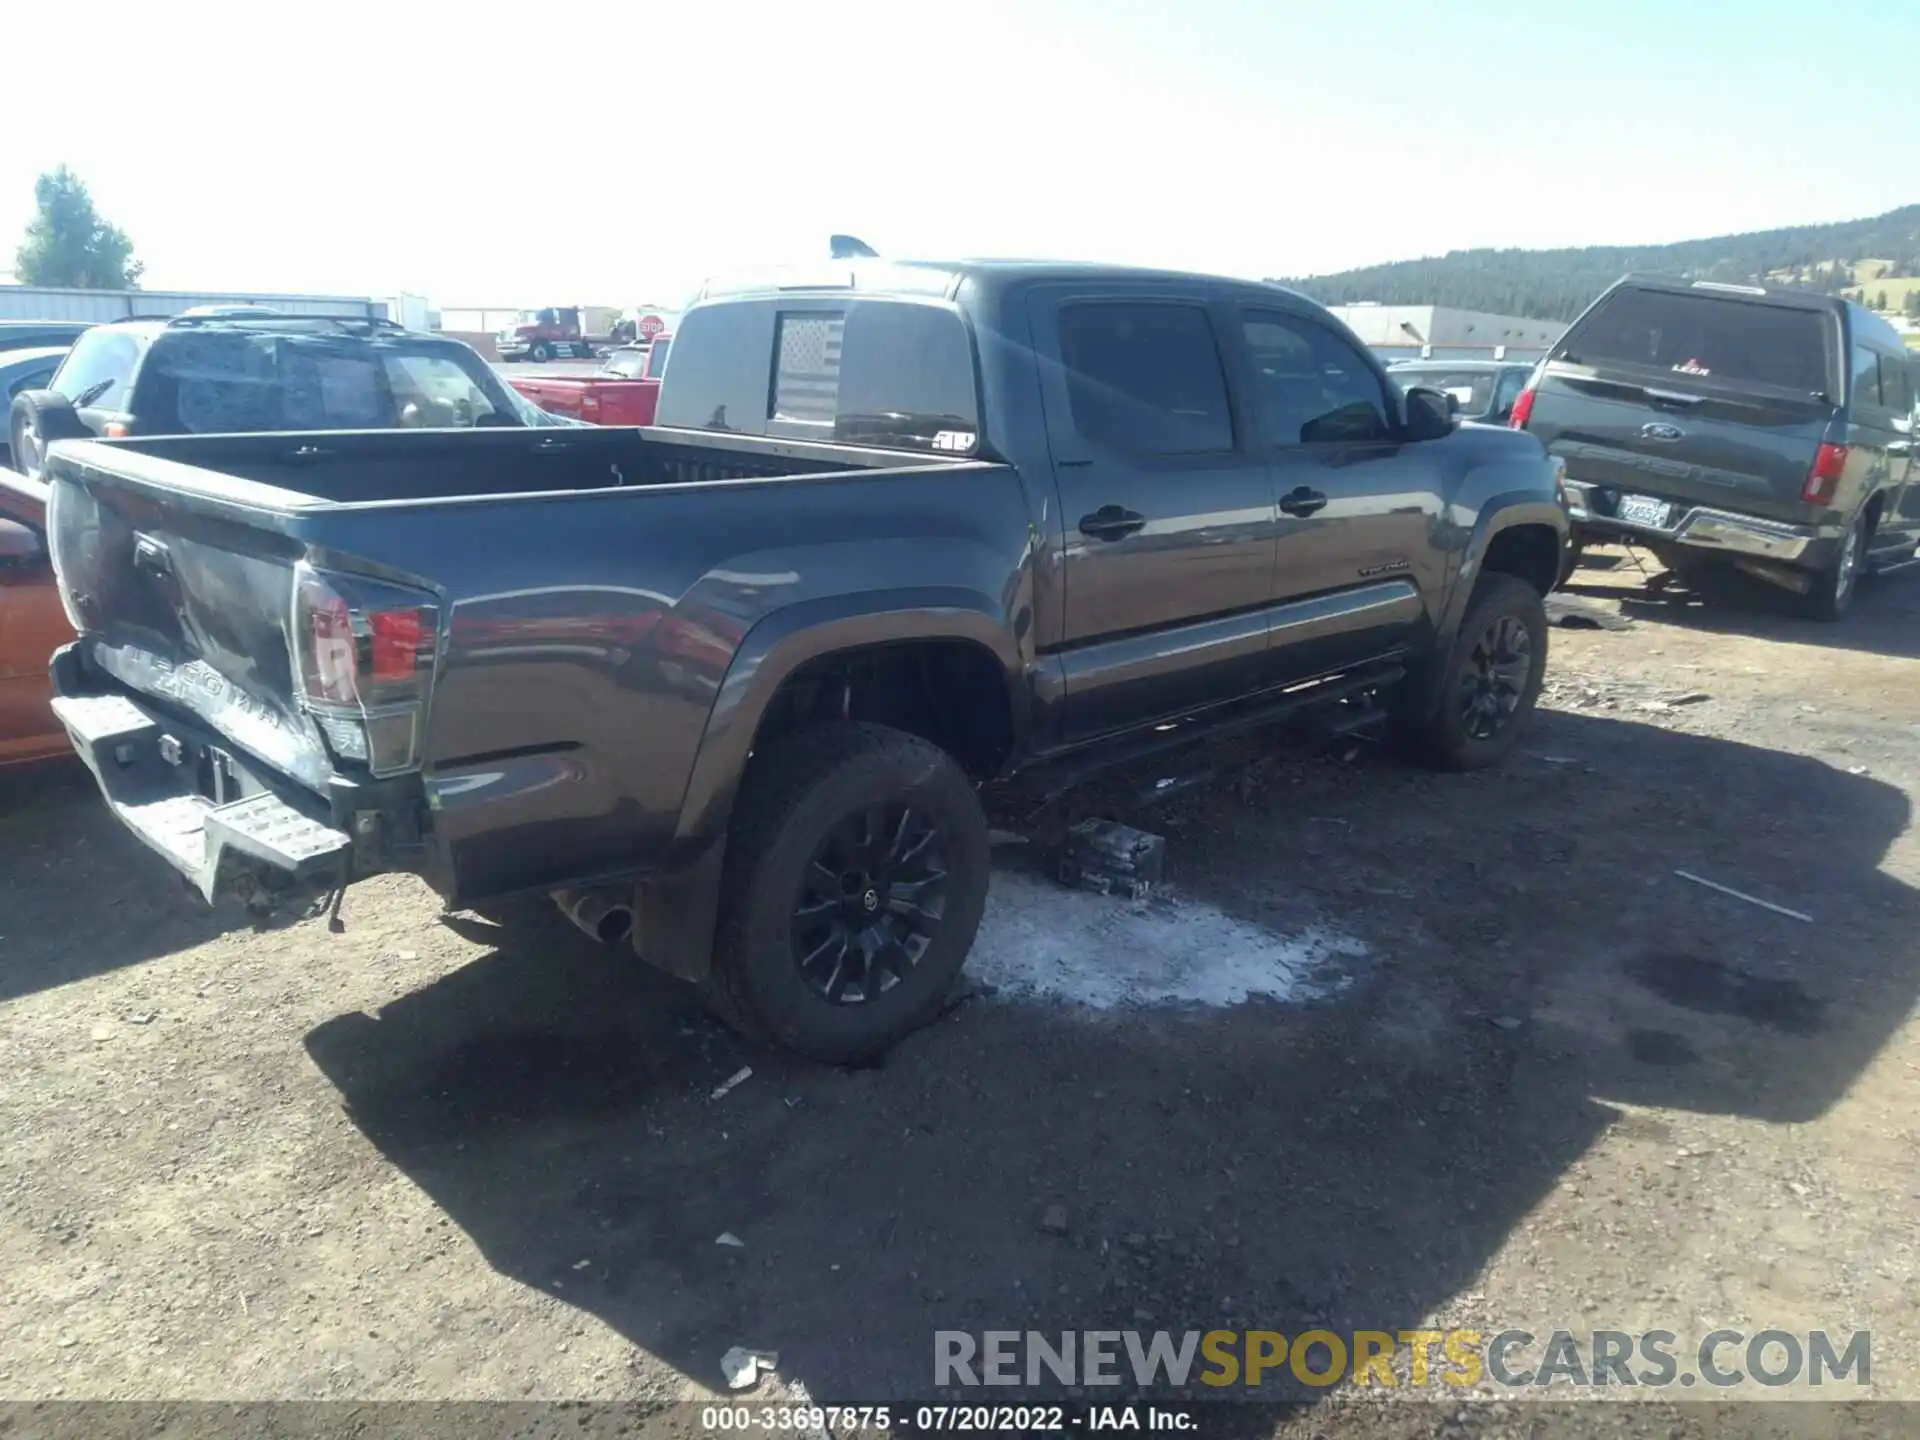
column 1885, row 619
column 79, row 896
column 1347, row 1164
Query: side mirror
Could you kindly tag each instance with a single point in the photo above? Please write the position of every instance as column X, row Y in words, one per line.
column 1430, row 413
column 20, row 545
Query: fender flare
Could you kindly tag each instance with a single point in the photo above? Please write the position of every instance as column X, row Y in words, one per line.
column 1500, row 513
column 676, row 908
column 791, row 637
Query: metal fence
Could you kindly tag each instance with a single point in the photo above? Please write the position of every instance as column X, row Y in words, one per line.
column 29, row 302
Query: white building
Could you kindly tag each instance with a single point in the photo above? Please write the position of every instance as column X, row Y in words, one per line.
column 1438, row 332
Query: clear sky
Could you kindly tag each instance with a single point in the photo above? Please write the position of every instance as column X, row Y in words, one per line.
column 482, row 153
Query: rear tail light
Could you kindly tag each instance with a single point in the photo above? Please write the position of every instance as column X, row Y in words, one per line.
column 363, row 653
column 396, row 643
column 1522, row 409
column 1823, row 480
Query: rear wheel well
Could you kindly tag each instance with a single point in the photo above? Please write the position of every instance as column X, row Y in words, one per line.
column 1529, row 552
column 952, row 693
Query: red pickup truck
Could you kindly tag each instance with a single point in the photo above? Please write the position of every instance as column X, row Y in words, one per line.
column 625, row 391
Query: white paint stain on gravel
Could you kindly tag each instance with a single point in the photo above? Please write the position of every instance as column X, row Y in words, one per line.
column 1041, row 941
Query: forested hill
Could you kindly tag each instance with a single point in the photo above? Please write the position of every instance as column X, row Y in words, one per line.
column 1557, row 284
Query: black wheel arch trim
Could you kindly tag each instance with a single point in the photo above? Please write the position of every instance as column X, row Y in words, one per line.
column 812, row 630
column 1498, row 514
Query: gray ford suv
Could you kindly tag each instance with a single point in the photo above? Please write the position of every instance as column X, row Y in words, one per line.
column 1768, row 428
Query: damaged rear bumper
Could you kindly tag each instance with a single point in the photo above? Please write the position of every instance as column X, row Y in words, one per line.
column 155, row 775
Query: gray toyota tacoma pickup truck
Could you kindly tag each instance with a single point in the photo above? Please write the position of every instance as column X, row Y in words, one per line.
column 728, row 686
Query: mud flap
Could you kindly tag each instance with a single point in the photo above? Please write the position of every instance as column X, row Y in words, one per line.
column 676, row 914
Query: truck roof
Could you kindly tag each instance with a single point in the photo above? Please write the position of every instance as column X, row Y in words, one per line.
column 943, row 278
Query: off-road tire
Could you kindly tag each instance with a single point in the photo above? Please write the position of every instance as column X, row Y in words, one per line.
column 1430, row 720
column 1830, row 596
column 1571, row 559
column 796, row 792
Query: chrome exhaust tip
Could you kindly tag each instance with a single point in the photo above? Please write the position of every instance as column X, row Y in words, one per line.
column 604, row 913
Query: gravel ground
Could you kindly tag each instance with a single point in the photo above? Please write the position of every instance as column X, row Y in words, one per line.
column 1551, row 1085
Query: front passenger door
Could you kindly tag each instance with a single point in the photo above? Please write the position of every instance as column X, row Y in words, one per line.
column 1356, row 560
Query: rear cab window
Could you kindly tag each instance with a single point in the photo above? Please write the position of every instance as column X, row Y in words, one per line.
column 889, row 373
column 1718, row 340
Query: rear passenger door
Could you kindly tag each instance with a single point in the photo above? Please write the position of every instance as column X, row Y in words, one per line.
column 1167, row 512
column 1355, row 558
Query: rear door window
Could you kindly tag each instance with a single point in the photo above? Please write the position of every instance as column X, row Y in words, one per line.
column 430, row 391
column 1145, row 378
column 1711, row 338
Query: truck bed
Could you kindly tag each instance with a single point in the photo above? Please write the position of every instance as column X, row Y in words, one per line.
column 358, row 467
column 574, row 600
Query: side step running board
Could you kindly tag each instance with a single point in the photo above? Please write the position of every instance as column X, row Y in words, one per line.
column 1052, row 778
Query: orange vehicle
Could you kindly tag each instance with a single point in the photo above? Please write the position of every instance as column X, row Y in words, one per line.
column 32, row 626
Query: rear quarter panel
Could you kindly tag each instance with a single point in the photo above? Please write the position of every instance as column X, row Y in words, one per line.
column 591, row 638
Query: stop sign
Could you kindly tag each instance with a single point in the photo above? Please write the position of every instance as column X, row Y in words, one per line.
column 650, row 326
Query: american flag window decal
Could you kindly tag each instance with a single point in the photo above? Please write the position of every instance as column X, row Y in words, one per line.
column 806, row 368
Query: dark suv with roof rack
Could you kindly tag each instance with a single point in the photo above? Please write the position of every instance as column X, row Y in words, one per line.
column 1768, row 428
column 241, row 369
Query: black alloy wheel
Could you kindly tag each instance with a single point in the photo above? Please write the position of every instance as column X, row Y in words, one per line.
column 871, row 902
column 1493, row 682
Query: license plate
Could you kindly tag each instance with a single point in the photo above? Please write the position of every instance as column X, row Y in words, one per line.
column 1642, row 510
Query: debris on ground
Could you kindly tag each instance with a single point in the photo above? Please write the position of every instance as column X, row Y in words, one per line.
column 1168, row 786
column 1108, row 858
column 1742, row 895
column 1692, row 697
column 1578, row 614
column 730, row 1240
column 1054, row 1222
column 743, row 1367
column 744, row 1073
